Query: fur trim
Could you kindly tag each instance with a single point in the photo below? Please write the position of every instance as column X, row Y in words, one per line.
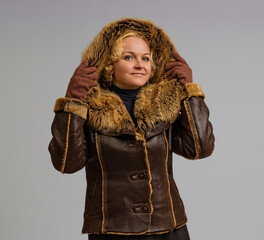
column 159, row 103
column 99, row 50
column 107, row 111
column 154, row 103
column 194, row 90
column 71, row 106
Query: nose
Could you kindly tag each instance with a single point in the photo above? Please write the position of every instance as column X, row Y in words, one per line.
column 138, row 64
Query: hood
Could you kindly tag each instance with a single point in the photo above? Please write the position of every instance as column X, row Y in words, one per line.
column 159, row 43
column 158, row 103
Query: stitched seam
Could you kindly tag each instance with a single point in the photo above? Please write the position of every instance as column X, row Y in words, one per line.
column 149, row 183
column 101, row 164
column 167, row 175
column 63, row 163
column 193, row 130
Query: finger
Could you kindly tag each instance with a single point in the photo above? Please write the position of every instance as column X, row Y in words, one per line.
column 178, row 57
column 181, row 74
column 171, row 65
column 89, row 70
column 174, row 70
column 171, row 77
column 92, row 76
column 174, row 74
column 81, row 81
column 182, row 81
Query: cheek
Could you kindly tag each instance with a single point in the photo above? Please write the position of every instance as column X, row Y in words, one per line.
column 149, row 68
column 120, row 68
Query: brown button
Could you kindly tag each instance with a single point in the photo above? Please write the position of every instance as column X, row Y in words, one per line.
column 142, row 175
column 138, row 143
column 145, row 208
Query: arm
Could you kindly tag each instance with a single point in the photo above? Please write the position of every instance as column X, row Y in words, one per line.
column 68, row 147
column 192, row 132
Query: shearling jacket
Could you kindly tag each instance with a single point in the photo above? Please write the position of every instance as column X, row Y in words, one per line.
column 129, row 172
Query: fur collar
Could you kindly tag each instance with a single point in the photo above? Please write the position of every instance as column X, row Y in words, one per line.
column 155, row 103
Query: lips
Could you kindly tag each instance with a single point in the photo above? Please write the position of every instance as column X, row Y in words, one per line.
column 138, row 74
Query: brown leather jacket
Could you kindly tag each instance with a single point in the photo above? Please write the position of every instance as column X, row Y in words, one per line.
column 130, row 185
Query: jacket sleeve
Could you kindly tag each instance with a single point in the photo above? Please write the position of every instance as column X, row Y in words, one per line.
column 68, row 146
column 192, row 132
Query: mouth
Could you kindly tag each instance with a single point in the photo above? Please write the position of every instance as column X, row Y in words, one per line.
column 138, row 74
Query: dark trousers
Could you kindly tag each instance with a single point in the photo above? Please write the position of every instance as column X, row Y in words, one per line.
column 178, row 234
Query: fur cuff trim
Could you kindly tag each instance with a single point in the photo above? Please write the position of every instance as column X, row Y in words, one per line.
column 194, row 90
column 71, row 106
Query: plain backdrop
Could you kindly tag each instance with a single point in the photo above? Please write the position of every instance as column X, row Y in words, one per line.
column 41, row 45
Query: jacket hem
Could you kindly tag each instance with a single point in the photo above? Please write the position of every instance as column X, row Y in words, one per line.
column 139, row 233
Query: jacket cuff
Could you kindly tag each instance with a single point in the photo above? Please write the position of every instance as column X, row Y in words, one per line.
column 70, row 105
column 194, row 90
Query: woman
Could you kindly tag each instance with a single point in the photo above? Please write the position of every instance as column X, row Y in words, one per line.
column 129, row 105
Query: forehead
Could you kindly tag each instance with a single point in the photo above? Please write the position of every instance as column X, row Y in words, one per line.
column 135, row 44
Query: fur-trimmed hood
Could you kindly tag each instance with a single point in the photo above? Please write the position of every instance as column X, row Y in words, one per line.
column 98, row 52
column 159, row 102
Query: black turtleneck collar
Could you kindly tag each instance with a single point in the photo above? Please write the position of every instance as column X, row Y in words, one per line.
column 125, row 93
column 128, row 97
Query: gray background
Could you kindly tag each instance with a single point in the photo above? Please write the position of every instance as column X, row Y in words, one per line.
column 41, row 45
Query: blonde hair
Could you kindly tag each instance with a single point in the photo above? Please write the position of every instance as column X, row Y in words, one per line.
column 116, row 54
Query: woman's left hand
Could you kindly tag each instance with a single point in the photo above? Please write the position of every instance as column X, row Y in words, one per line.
column 179, row 69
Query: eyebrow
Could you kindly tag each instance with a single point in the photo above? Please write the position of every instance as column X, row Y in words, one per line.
column 134, row 53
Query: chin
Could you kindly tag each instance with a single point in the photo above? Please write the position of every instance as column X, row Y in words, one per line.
column 139, row 83
column 132, row 84
column 135, row 86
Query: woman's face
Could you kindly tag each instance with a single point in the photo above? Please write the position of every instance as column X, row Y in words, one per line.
column 133, row 69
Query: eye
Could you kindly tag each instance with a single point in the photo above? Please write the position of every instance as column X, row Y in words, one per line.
column 145, row 59
column 128, row 57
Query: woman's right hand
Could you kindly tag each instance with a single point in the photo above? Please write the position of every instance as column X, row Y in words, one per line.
column 81, row 81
